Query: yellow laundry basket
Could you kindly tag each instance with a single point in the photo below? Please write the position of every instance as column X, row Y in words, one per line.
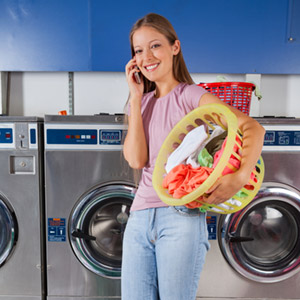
column 212, row 115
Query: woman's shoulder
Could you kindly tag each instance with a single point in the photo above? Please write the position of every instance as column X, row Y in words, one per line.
column 192, row 88
column 191, row 94
column 191, row 91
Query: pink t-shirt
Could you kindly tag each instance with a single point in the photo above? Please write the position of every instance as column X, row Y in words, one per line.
column 160, row 115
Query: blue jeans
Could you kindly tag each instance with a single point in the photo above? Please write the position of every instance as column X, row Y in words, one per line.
column 163, row 253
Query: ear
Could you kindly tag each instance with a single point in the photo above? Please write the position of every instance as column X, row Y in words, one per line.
column 176, row 47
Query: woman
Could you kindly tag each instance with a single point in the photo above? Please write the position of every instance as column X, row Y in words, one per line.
column 164, row 247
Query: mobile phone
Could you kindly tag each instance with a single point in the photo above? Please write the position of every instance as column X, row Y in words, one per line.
column 137, row 76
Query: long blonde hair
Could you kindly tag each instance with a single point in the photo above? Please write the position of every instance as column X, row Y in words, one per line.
column 162, row 25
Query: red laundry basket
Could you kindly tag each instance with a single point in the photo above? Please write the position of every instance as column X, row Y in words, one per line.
column 236, row 94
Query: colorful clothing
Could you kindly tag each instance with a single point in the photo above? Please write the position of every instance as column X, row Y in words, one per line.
column 183, row 179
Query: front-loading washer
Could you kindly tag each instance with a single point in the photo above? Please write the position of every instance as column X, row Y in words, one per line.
column 22, row 256
column 89, row 189
column 255, row 253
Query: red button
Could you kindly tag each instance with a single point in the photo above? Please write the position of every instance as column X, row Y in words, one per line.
column 8, row 135
column 93, row 137
column 68, row 136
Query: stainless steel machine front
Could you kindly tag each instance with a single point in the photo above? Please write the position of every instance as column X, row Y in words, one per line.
column 89, row 189
column 255, row 253
column 21, row 204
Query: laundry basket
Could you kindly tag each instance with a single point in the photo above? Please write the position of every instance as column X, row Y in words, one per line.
column 236, row 94
column 212, row 115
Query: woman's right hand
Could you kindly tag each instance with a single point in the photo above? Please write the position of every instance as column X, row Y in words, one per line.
column 136, row 89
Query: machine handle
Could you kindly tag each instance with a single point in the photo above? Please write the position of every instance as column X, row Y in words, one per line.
column 240, row 239
column 81, row 235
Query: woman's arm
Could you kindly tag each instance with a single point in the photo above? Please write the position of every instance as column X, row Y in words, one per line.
column 253, row 138
column 135, row 147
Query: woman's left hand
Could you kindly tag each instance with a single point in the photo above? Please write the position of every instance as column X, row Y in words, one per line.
column 225, row 188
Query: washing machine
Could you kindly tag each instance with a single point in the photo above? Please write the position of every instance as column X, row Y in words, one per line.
column 22, row 272
column 89, row 189
column 255, row 253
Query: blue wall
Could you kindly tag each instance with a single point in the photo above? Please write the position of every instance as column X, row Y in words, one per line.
column 221, row 36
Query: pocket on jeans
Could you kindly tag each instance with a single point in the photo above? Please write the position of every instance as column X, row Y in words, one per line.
column 184, row 211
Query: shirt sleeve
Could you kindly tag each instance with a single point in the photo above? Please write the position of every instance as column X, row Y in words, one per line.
column 192, row 94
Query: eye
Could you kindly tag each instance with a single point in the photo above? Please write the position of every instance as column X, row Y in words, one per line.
column 155, row 46
column 138, row 51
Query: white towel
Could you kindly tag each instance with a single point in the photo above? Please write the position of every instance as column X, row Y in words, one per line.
column 189, row 145
column 193, row 158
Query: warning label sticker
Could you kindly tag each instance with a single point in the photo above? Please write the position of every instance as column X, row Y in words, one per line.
column 212, row 227
column 56, row 229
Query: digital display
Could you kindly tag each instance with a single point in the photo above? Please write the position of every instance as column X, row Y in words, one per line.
column 111, row 137
column 282, row 138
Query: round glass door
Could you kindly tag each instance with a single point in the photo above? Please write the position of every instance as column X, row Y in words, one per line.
column 262, row 241
column 97, row 225
column 8, row 231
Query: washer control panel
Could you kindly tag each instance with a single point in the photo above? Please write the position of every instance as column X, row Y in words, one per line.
column 71, row 136
column 81, row 136
column 282, row 137
column 18, row 135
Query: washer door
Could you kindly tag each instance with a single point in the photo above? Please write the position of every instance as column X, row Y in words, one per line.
column 97, row 225
column 262, row 241
column 8, row 231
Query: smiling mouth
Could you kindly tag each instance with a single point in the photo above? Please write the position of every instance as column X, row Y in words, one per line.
column 151, row 67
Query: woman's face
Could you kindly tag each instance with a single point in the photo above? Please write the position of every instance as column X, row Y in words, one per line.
column 154, row 54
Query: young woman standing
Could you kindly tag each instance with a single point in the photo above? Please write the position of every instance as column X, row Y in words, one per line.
column 164, row 247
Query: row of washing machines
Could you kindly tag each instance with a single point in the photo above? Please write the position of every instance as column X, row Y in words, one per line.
column 65, row 196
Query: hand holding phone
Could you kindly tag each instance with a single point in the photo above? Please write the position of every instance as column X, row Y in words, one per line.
column 137, row 76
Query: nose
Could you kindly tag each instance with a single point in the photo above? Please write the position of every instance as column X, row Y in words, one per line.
column 148, row 54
